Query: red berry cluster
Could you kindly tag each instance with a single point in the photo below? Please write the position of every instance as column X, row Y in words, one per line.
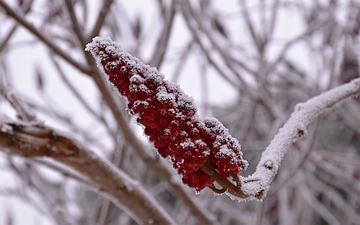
column 169, row 117
column 226, row 152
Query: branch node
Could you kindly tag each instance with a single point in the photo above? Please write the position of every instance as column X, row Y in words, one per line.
column 268, row 164
column 301, row 133
column 260, row 194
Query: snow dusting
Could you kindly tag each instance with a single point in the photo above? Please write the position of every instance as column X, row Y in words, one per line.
column 294, row 129
column 138, row 82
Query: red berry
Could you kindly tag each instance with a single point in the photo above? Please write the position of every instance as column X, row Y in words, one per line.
column 169, row 117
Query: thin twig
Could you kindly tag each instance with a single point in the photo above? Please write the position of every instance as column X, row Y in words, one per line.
column 227, row 185
column 273, row 18
column 77, row 95
column 163, row 39
column 104, row 11
column 7, row 38
column 250, row 24
column 75, row 23
column 257, row 95
column 43, row 38
column 23, row 112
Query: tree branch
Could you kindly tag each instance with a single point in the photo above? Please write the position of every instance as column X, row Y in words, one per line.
column 294, row 129
column 104, row 11
column 32, row 29
column 35, row 141
column 163, row 39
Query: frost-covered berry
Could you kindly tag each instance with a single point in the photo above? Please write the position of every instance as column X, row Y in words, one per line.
column 169, row 117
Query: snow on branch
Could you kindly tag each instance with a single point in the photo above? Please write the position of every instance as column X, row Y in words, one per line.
column 202, row 150
column 294, row 128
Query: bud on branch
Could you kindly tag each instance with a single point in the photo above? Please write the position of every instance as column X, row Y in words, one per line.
column 202, row 150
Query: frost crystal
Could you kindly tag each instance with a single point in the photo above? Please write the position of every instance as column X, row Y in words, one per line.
column 169, row 117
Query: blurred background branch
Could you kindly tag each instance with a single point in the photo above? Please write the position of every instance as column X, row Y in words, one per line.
column 248, row 63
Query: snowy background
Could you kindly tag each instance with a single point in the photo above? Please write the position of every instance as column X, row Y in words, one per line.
column 268, row 56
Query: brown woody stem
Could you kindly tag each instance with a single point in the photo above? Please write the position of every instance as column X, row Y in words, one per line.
column 33, row 141
column 225, row 183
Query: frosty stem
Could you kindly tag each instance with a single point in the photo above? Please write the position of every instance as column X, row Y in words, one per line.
column 225, row 183
column 294, row 128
